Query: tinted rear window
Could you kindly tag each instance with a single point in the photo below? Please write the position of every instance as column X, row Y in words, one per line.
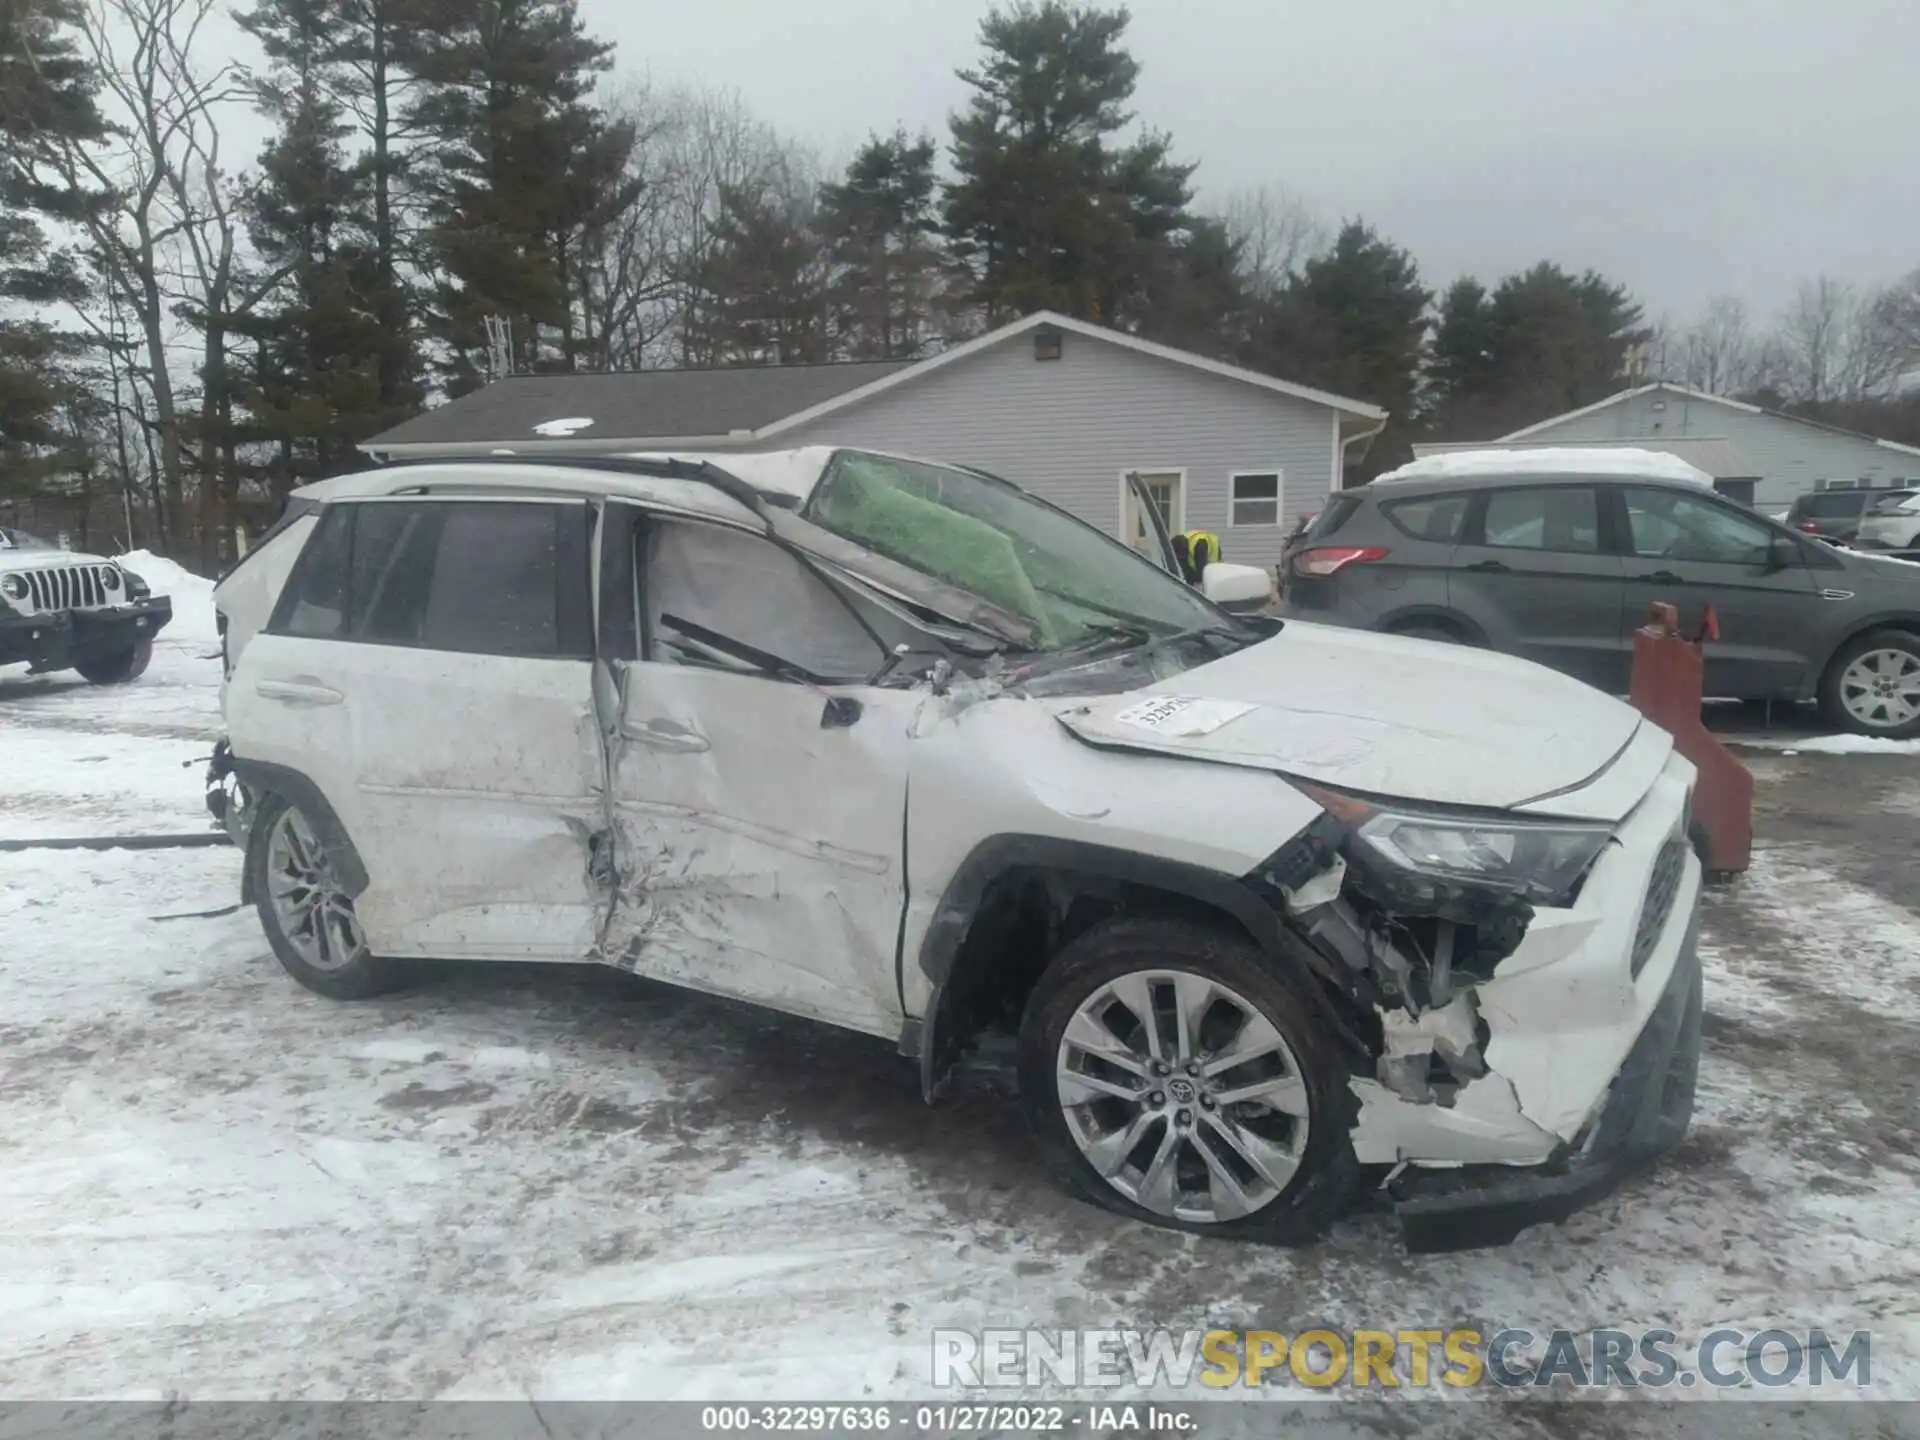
column 1830, row 503
column 1431, row 517
column 480, row 577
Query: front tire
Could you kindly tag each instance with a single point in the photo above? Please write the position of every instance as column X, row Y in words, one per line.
column 1872, row 686
column 1170, row 1074
column 116, row 667
column 307, row 913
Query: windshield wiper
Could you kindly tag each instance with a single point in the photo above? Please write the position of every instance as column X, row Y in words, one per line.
column 1102, row 638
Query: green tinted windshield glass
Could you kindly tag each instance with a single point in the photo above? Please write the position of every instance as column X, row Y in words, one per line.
column 999, row 543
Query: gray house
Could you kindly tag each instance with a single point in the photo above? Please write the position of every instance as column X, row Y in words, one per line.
column 1058, row 405
column 1758, row 456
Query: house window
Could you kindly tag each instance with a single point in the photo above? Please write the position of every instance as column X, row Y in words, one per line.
column 1256, row 499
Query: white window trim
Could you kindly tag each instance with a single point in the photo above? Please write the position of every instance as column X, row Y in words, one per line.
column 1179, row 524
column 1279, row 497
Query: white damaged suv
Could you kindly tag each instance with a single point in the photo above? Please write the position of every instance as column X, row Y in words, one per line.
column 1275, row 910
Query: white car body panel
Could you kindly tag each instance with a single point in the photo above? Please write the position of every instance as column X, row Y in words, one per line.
column 1562, row 1010
column 1005, row 767
column 469, row 784
column 1327, row 704
column 1898, row 531
column 762, row 852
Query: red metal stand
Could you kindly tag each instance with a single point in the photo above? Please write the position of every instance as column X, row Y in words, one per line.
column 1667, row 686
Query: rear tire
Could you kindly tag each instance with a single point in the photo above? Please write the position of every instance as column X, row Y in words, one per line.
column 1872, row 685
column 1277, row 1163
column 305, row 910
column 116, row 667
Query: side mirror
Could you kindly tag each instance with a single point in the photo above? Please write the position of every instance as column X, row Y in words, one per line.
column 1236, row 587
column 1782, row 554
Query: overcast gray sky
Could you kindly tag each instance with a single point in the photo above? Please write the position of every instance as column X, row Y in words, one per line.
column 1686, row 147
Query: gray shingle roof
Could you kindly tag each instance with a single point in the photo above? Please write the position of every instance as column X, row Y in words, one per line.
column 644, row 405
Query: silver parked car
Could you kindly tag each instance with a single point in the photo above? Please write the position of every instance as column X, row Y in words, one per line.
column 1554, row 555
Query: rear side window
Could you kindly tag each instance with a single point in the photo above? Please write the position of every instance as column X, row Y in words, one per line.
column 1339, row 509
column 1901, row 502
column 1564, row 518
column 1431, row 517
column 313, row 605
column 477, row 577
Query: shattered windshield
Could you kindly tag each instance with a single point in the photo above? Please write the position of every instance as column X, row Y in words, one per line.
column 1072, row 583
column 20, row 540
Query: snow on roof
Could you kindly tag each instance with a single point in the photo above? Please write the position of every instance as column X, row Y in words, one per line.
column 1552, row 463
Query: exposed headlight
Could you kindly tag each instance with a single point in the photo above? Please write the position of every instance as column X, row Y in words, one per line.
column 110, row 577
column 14, row 587
column 1542, row 860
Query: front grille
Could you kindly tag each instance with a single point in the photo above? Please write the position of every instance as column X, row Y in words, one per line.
column 1658, row 906
column 72, row 587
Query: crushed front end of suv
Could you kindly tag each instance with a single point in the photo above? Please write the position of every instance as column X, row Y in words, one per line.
column 1279, row 915
column 65, row 611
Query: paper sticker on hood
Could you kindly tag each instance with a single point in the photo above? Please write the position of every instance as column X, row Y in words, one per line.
column 1181, row 715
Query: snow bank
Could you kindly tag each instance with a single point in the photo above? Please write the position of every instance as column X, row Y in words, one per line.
column 1829, row 745
column 192, row 596
column 1614, row 460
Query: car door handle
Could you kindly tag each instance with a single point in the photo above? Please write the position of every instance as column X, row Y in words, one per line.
column 669, row 735
column 297, row 692
column 1664, row 577
column 1489, row 567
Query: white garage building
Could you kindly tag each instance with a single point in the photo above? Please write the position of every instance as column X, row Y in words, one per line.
column 1762, row 457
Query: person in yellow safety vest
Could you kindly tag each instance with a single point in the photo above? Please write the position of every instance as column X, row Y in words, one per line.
column 1203, row 549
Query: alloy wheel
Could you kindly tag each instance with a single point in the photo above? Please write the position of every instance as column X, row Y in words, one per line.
column 1881, row 688
column 312, row 908
column 1183, row 1096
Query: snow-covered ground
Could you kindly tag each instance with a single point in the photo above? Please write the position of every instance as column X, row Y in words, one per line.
column 545, row 1182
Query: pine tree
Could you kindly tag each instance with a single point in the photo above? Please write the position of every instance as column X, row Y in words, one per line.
column 314, row 384
column 46, row 88
column 1046, row 212
column 505, row 100
column 879, row 228
column 1354, row 322
column 758, row 295
column 1195, row 298
column 1544, row 342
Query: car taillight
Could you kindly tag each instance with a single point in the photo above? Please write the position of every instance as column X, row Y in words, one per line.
column 1332, row 559
column 1812, row 527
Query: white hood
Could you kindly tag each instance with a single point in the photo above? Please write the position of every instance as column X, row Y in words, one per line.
column 46, row 559
column 1407, row 719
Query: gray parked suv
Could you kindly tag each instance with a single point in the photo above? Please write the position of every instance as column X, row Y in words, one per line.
column 1554, row 555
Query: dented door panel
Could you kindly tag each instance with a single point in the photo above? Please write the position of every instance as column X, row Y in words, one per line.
column 758, row 854
column 480, row 783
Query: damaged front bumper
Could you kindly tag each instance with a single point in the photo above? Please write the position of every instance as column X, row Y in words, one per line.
column 1646, row 1112
column 1521, row 1058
